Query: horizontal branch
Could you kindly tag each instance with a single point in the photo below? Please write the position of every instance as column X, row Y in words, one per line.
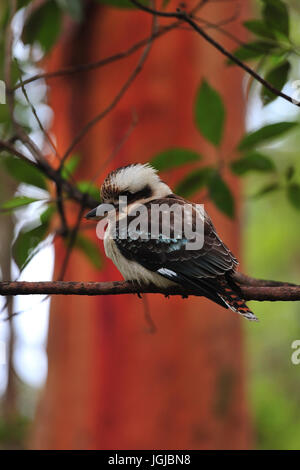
column 254, row 290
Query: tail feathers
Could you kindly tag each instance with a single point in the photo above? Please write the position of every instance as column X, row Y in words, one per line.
column 216, row 289
column 236, row 304
column 226, row 290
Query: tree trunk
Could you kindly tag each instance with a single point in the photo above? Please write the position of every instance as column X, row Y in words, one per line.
column 112, row 385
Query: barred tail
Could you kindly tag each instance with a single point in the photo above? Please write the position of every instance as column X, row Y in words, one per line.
column 235, row 303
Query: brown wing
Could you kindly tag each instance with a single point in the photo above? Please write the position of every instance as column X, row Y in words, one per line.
column 172, row 252
column 207, row 270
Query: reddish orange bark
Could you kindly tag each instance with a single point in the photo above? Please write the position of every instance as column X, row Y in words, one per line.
column 110, row 384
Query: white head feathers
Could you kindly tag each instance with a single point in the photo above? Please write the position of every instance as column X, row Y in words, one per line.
column 134, row 178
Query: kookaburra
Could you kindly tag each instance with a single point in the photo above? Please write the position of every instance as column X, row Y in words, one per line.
column 164, row 260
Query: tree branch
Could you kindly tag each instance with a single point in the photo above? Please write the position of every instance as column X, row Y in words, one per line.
column 255, row 290
column 186, row 17
column 99, row 63
column 54, row 175
column 108, row 60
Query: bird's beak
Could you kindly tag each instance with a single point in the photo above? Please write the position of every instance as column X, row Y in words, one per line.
column 95, row 214
column 92, row 214
column 100, row 212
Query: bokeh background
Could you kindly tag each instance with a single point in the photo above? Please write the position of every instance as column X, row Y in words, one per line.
column 89, row 374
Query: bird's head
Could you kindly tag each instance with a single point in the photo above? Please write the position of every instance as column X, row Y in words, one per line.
column 137, row 182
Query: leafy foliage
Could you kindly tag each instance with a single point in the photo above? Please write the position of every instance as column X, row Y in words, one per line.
column 273, row 49
column 293, row 194
column 70, row 166
column 277, row 76
column 269, row 188
column 89, row 188
column 259, row 28
column 29, row 238
column 174, row 158
column 210, row 113
column 17, row 202
column 276, row 17
column 265, row 134
column 24, row 172
column 43, row 26
column 271, row 33
column 252, row 161
column 194, row 181
column 253, row 50
column 221, row 195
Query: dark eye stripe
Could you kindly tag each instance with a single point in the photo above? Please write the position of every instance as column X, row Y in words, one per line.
column 142, row 194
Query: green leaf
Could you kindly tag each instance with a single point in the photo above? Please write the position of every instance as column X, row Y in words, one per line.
column 4, row 114
column 72, row 7
column 253, row 161
column 26, row 244
column 43, row 25
column 89, row 188
column 24, row 172
column 90, row 249
column 17, row 202
column 265, row 134
column 260, row 28
column 293, row 194
column 210, row 113
column 289, row 173
column 277, row 77
column 70, row 167
column 221, row 195
column 194, row 181
column 269, row 188
column 276, row 16
column 46, row 216
column 22, row 3
column 175, row 157
column 28, row 239
column 252, row 50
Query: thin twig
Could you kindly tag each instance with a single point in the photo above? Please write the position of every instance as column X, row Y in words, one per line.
column 71, row 243
column 149, row 320
column 54, row 175
column 107, row 60
column 34, row 112
column 117, row 148
column 183, row 15
column 99, row 63
column 61, row 210
column 10, row 148
column 116, row 99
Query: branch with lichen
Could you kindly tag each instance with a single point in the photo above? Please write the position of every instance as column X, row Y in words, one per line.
column 249, row 288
